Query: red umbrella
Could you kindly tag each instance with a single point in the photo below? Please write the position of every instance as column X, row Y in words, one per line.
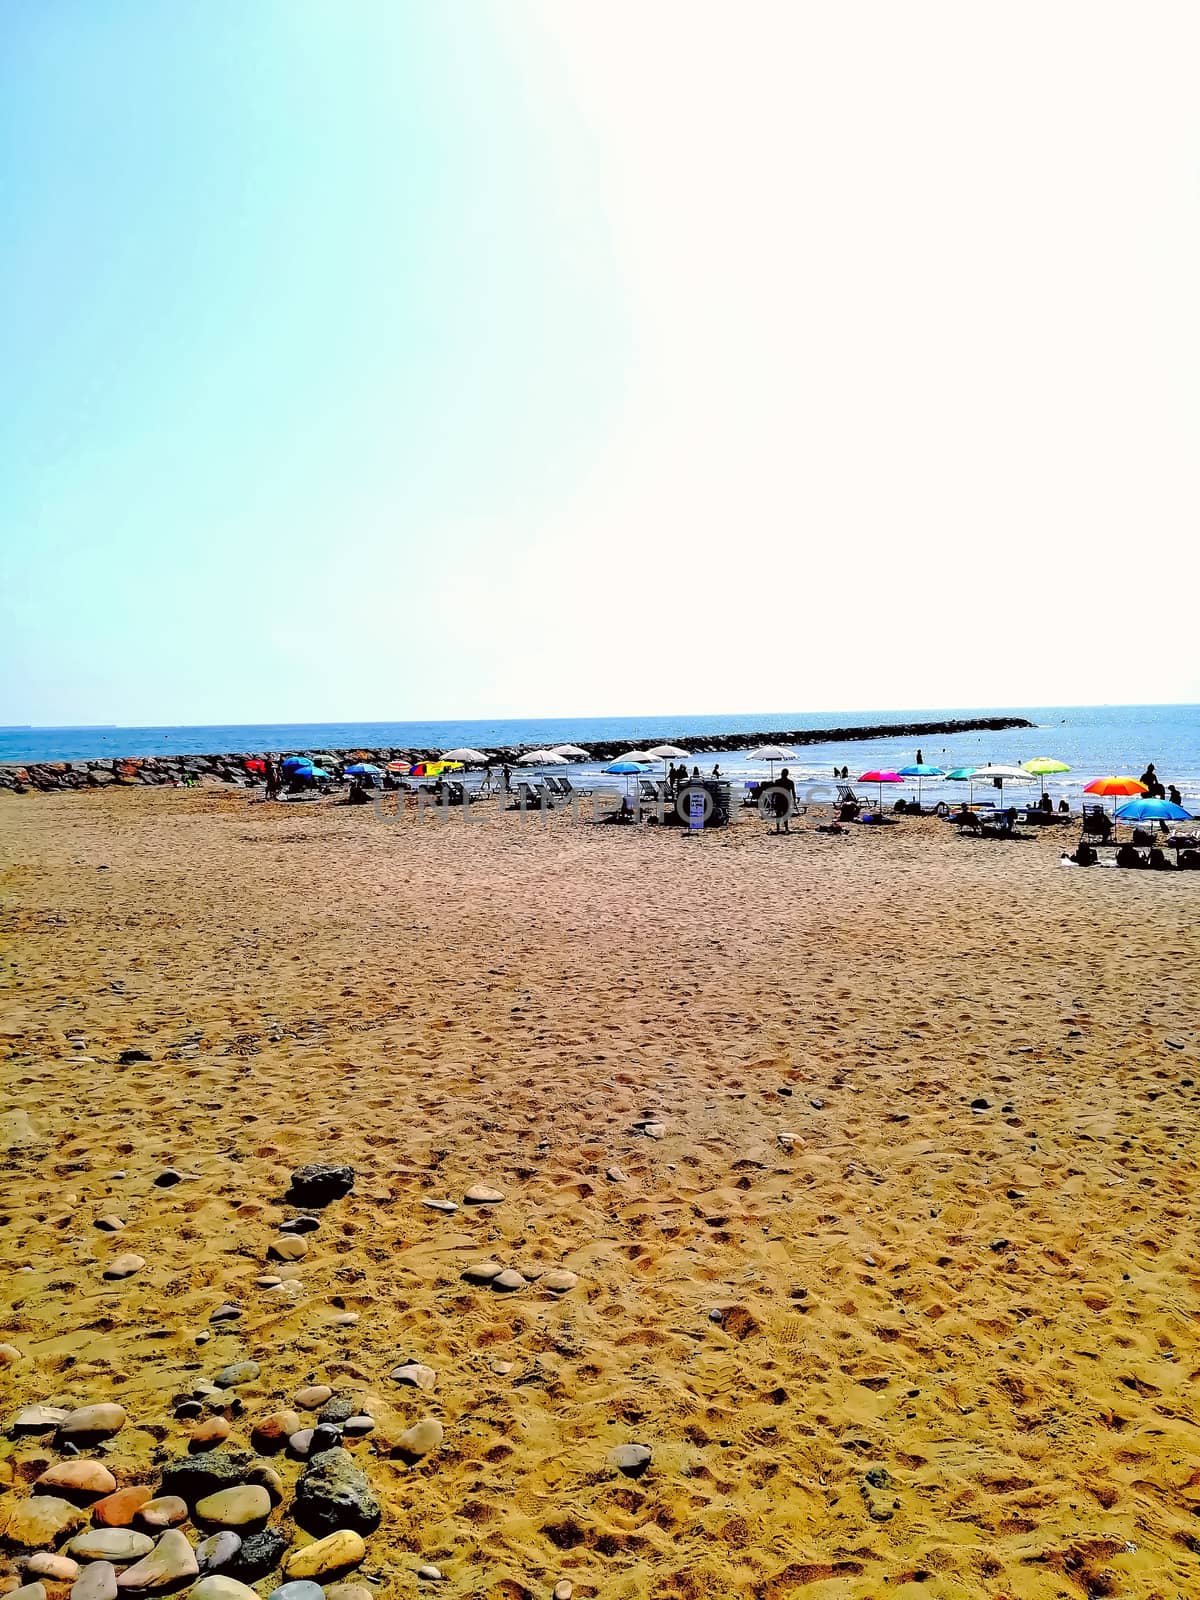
column 875, row 776
column 256, row 765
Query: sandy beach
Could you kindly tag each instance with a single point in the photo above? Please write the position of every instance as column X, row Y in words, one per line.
column 874, row 1158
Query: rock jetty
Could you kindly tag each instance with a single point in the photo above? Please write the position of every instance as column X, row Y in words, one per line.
column 230, row 768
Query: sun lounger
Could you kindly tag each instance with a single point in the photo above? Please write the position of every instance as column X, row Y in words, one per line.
column 1096, row 822
column 529, row 794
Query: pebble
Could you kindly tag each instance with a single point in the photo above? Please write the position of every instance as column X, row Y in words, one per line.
column 97, row 1582
column 358, row 1425
column 333, row 1494
column 300, row 1442
column 237, row 1373
column 103, row 1419
column 118, row 1510
column 631, row 1459
column 45, row 1564
column 348, row 1591
column 325, row 1436
column 560, row 1280
column 336, row 1552
column 29, row 1591
column 213, row 1431
column 226, row 1313
column 980, row 1104
column 421, row 1438
column 171, row 1560
column 268, row 1281
column 336, row 1409
column 168, row 1177
column 312, row 1398
column 300, row 1225
column 8, row 1354
column 109, row 1223
column 563, row 1590
column 124, row 1266
column 654, row 1130
column 273, row 1432
column 288, row 1247
column 615, row 1175
column 344, row 1319
column 39, row 1419
column 111, row 1544
column 429, row 1573
column 447, row 1206
column 297, row 1589
column 508, row 1280
column 416, row 1374
column 479, row 1194
column 85, row 1479
column 128, row 1057
column 501, row 1368
column 483, row 1272
column 163, row 1512
column 219, row 1587
column 218, row 1550
column 234, row 1508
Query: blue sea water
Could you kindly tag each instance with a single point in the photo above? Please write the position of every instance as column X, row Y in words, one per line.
column 1093, row 740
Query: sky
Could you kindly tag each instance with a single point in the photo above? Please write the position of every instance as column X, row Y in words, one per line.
column 394, row 360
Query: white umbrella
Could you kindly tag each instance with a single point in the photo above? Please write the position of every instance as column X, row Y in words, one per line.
column 644, row 756
column 772, row 753
column 542, row 758
column 669, row 752
column 473, row 758
column 571, row 752
column 1003, row 775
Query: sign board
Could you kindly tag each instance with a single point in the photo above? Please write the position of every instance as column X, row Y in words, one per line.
column 696, row 800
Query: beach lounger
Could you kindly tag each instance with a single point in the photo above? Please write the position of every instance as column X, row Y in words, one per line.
column 1096, row 822
column 528, row 795
column 847, row 797
column 651, row 791
column 569, row 788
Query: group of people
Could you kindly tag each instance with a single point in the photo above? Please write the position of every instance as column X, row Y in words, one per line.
column 1154, row 787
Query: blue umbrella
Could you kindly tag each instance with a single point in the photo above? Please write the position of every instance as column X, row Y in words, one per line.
column 627, row 766
column 1144, row 809
column 297, row 764
column 921, row 770
column 364, row 769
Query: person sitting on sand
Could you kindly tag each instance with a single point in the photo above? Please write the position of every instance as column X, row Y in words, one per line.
column 1128, row 856
column 1085, row 855
column 1045, row 804
column 1064, row 805
column 1157, row 861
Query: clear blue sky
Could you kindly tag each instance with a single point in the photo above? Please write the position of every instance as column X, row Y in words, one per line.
column 397, row 360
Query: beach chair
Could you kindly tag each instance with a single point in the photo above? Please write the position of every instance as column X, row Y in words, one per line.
column 569, row 788
column 847, row 797
column 527, row 795
column 651, row 791
column 556, row 786
column 1096, row 822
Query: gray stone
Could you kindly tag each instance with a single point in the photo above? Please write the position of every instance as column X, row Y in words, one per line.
column 560, row 1280
column 325, row 1436
column 226, row 1313
column 415, row 1374
column 97, row 1582
column 482, row 1271
column 220, row 1587
column 298, row 1589
column 236, row 1374
column 29, row 1591
column 508, row 1280
column 300, row 1225
column 218, row 1550
column 481, row 1194
column 336, row 1409
column 124, row 1266
column 631, row 1459
column 358, row 1425
column 93, row 1421
column 300, row 1442
column 39, row 1419
column 448, row 1206
column 333, row 1493
column 118, row 1545
column 312, row 1398
column 168, row 1564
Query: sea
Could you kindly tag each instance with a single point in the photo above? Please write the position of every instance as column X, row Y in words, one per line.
column 1094, row 741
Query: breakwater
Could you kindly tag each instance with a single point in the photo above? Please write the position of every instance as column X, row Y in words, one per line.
column 130, row 772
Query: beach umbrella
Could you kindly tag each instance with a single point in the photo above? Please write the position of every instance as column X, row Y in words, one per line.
column 297, row 764
column 642, row 756
column 471, row 758
column 625, row 768
column 1001, row 775
column 1115, row 786
column 920, row 770
column 542, row 758
column 963, row 775
column 570, row 752
column 399, row 766
column 363, row 769
column 1144, row 809
column 875, row 776
column 773, row 753
column 1043, row 766
column 669, row 752
column 255, row 765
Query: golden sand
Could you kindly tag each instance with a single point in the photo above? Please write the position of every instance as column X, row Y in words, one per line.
column 956, row 1353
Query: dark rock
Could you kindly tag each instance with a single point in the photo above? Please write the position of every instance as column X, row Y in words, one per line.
column 326, row 1436
column 318, row 1184
column 333, row 1493
column 260, row 1553
column 300, row 1225
column 336, row 1409
column 194, row 1477
column 128, row 1057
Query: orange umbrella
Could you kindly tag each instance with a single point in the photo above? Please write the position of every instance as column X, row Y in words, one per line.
column 1115, row 786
